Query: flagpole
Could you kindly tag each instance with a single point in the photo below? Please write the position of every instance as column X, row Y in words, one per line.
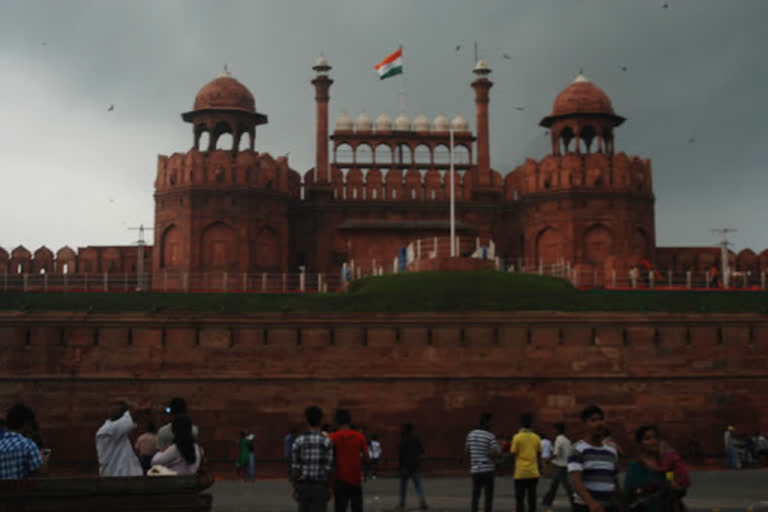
column 453, row 201
column 403, row 108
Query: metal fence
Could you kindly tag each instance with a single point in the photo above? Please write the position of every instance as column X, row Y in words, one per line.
column 174, row 282
column 270, row 282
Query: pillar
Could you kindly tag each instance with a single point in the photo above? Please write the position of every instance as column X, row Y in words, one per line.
column 482, row 86
column 322, row 85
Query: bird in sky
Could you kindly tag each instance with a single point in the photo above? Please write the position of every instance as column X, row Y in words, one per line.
column 665, row 6
column 111, row 108
column 691, row 140
column 506, row 56
column 44, row 43
column 111, row 200
column 458, row 47
column 623, row 68
column 519, row 109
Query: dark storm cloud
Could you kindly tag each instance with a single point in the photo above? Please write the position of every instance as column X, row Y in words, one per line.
column 79, row 174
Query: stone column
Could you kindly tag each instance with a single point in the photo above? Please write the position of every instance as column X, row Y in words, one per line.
column 482, row 87
column 322, row 85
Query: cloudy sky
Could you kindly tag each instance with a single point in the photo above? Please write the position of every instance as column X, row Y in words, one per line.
column 74, row 173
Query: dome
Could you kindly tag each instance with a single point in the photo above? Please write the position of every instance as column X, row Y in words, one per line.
column 383, row 123
column 460, row 124
column 321, row 62
column 225, row 93
column 582, row 97
column 364, row 123
column 441, row 124
column 345, row 123
column 421, row 123
column 402, row 123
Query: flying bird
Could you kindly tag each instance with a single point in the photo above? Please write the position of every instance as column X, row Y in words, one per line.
column 458, row 47
column 623, row 68
column 520, row 109
column 506, row 56
column 691, row 140
column 44, row 43
column 111, row 108
column 665, row 6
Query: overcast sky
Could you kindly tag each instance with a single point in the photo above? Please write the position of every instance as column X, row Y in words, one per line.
column 74, row 173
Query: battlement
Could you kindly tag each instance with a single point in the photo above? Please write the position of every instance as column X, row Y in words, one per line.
column 579, row 172
column 91, row 259
column 225, row 168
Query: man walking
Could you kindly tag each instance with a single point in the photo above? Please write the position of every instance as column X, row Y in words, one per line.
column 732, row 454
column 526, row 447
column 351, row 453
column 592, row 467
column 312, row 465
column 482, row 448
column 409, row 454
column 559, row 466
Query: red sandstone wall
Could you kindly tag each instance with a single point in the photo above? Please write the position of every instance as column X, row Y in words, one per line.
column 691, row 374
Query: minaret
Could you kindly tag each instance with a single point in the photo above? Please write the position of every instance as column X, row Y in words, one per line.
column 482, row 86
column 322, row 84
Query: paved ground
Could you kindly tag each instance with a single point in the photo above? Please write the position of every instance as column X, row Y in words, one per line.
column 724, row 490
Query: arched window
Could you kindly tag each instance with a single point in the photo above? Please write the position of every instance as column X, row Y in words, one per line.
column 344, row 154
column 566, row 136
column 224, row 141
column 403, row 155
column 383, row 155
column 65, row 271
column 461, row 155
column 421, row 155
column 588, row 134
column 244, row 142
column 364, row 154
column 204, row 141
column 442, row 155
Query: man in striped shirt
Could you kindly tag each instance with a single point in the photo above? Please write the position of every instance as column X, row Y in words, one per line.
column 592, row 467
column 482, row 448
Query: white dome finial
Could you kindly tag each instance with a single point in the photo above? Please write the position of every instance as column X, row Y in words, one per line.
column 225, row 73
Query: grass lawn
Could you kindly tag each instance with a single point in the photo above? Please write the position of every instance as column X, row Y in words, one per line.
column 409, row 292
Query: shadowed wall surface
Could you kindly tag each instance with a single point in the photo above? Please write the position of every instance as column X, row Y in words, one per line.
column 692, row 374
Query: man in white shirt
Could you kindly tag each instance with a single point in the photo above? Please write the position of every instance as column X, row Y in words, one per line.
column 559, row 454
column 113, row 445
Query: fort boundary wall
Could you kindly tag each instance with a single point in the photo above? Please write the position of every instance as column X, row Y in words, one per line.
column 690, row 373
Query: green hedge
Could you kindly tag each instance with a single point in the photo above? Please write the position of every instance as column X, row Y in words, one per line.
column 410, row 292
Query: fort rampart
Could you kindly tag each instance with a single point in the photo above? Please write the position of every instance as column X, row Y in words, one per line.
column 691, row 374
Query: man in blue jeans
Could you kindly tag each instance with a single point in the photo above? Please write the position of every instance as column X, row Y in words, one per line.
column 409, row 460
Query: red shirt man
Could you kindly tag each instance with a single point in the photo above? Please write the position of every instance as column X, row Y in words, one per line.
column 351, row 449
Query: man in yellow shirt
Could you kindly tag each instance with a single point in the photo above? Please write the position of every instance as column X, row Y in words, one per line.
column 526, row 448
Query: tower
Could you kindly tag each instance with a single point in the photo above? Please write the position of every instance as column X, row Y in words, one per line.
column 222, row 212
column 482, row 86
column 584, row 203
column 582, row 114
column 322, row 83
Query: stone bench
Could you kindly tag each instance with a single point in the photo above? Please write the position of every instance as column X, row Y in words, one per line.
column 135, row 494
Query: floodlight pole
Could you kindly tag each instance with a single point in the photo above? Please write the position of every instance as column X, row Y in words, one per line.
column 140, row 256
column 724, row 243
column 453, row 200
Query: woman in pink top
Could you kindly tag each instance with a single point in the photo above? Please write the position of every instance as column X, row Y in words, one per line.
column 184, row 455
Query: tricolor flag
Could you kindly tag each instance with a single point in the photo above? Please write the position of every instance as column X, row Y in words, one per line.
column 391, row 66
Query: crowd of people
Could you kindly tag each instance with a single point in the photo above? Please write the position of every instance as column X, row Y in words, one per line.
column 171, row 450
column 326, row 461
column 324, row 464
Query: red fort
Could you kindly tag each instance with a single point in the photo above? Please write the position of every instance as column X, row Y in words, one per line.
column 386, row 183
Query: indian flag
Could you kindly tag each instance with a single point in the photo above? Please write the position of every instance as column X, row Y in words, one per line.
column 391, row 66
